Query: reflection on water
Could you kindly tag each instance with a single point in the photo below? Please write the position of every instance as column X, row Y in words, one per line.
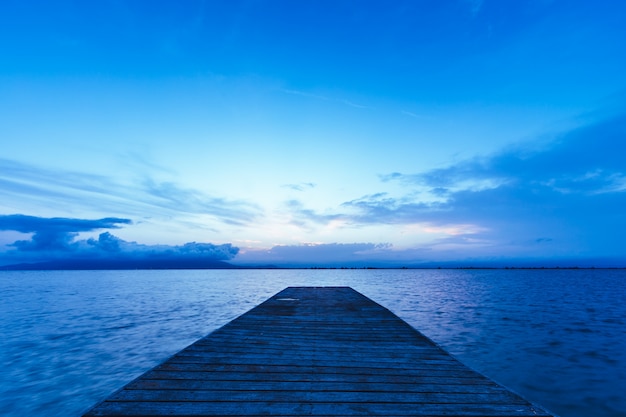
column 70, row 338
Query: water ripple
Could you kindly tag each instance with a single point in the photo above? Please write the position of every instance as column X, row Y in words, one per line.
column 72, row 338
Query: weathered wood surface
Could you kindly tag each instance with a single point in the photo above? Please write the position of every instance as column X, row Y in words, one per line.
column 326, row 351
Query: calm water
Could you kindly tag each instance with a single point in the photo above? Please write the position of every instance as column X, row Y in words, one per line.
column 71, row 338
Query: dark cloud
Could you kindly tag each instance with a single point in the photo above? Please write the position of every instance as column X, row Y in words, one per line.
column 31, row 224
column 53, row 234
column 108, row 244
column 53, row 242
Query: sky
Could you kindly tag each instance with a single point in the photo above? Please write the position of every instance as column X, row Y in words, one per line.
column 314, row 133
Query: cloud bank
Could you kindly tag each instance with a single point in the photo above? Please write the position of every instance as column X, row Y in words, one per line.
column 53, row 245
column 318, row 254
column 558, row 199
column 562, row 198
column 53, row 234
column 573, row 188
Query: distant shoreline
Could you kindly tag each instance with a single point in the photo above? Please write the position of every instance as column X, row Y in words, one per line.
column 145, row 266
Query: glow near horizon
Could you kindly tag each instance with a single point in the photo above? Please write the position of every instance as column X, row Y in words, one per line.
column 280, row 124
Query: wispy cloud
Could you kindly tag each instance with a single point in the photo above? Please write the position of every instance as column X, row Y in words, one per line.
column 325, row 98
column 474, row 6
column 583, row 161
column 525, row 200
column 380, row 208
column 304, row 217
column 170, row 196
column 411, row 114
column 62, row 188
column 302, row 186
column 572, row 189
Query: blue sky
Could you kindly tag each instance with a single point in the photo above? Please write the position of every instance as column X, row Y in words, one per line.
column 314, row 132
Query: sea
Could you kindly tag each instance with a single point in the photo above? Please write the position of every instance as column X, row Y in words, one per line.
column 68, row 339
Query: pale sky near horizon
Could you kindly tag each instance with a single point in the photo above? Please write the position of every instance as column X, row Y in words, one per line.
column 314, row 132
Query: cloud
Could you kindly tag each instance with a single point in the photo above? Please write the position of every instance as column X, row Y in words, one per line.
column 303, row 217
column 29, row 224
column 300, row 186
column 54, row 241
column 318, row 254
column 170, row 196
column 53, row 234
column 570, row 191
column 324, row 98
column 585, row 161
column 411, row 114
column 29, row 185
column 562, row 198
column 474, row 6
column 380, row 208
column 191, row 251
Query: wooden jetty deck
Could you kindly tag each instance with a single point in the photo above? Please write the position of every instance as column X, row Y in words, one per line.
column 325, row 351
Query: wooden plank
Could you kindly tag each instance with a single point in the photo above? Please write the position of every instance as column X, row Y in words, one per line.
column 321, row 386
column 314, row 351
column 303, row 408
column 459, row 371
column 289, row 360
column 314, row 396
column 320, row 377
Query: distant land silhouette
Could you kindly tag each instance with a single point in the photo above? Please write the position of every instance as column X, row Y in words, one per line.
column 119, row 264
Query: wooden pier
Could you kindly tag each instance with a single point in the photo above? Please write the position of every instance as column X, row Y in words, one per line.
column 326, row 351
